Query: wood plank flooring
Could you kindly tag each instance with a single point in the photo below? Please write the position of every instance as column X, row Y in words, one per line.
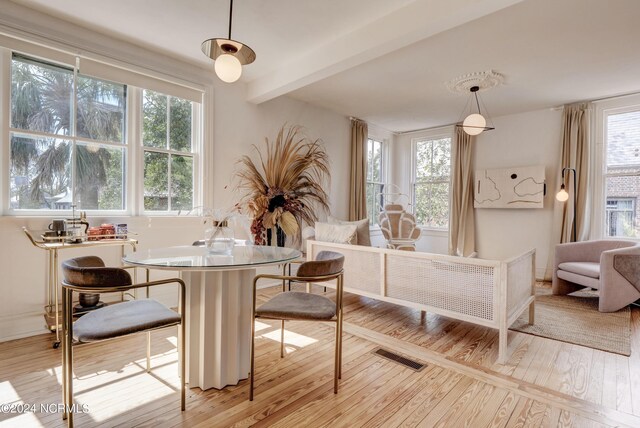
column 544, row 383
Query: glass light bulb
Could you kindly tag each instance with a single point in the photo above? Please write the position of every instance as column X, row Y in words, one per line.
column 562, row 195
column 228, row 68
column 474, row 124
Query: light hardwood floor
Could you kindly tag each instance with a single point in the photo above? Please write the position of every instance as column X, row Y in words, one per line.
column 545, row 383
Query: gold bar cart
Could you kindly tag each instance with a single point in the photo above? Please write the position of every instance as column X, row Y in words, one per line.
column 52, row 309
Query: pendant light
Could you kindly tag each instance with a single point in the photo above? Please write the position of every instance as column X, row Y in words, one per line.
column 229, row 55
column 475, row 123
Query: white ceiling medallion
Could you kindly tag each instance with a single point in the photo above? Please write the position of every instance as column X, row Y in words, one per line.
column 482, row 79
column 475, row 122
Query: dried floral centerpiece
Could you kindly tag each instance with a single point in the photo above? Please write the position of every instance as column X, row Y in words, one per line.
column 285, row 186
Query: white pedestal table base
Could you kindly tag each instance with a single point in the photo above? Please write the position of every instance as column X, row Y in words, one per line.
column 218, row 325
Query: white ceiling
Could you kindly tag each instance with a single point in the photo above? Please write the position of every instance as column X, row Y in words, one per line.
column 273, row 28
column 387, row 61
column 552, row 52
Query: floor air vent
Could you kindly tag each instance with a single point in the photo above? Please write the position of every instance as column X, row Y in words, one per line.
column 413, row 365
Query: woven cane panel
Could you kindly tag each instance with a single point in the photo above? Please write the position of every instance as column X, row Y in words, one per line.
column 361, row 268
column 518, row 283
column 462, row 288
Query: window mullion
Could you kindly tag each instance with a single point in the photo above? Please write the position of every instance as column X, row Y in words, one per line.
column 168, row 136
column 74, row 110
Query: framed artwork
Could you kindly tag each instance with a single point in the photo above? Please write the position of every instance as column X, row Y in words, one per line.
column 517, row 187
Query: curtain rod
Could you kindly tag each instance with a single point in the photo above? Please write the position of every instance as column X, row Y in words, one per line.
column 596, row 100
column 555, row 108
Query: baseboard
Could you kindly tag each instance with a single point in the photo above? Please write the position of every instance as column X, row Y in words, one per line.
column 22, row 325
column 543, row 274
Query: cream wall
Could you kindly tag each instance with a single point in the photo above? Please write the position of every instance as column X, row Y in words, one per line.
column 237, row 125
column 524, row 139
column 231, row 125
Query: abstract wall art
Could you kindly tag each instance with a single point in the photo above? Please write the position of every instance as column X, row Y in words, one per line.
column 517, row 187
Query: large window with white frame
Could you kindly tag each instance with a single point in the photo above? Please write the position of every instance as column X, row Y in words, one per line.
column 67, row 134
column 431, row 175
column 168, row 152
column 375, row 179
column 77, row 140
column 621, row 172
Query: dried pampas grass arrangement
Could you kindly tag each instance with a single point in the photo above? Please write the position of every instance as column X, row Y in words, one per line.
column 284, row 186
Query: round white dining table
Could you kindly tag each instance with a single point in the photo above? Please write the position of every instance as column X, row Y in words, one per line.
column 219, row 298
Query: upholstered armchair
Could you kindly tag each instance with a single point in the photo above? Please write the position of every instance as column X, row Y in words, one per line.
column 610, row 266
column 89, row 274
column 399, row 228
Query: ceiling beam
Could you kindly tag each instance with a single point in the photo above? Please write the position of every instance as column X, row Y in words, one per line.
column 414, row 22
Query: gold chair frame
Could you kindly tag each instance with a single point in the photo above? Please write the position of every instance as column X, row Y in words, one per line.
column 67, row 335
column 339, row 276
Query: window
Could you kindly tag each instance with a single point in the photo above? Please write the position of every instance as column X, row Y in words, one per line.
column 375, row 179
column 67, row 139
column 622, row 174
column 620, row 216
column 431, row 178
column 168, row 152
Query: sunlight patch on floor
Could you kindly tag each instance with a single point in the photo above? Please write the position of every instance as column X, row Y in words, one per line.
column 21, row 420
column 10, row 397
column 290, row 338
column 113, row 398
column 172, row 340
column 7, row 393
column 262, row 326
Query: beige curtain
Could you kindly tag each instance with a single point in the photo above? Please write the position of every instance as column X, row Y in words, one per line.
column 462, row 228
column 575, row 154
column 358, row 182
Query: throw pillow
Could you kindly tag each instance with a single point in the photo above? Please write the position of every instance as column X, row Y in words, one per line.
column 336, row 233
column 363, row 229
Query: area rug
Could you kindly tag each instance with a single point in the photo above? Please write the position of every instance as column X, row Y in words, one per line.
column 575, row 319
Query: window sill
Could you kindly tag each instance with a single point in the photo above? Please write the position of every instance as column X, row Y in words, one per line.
column 430, row 231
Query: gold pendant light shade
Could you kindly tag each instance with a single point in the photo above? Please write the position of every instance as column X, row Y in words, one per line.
column 229, row 55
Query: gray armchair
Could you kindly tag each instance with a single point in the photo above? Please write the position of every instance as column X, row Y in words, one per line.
column 293, row 305
column 610, row 266
column 90, row 275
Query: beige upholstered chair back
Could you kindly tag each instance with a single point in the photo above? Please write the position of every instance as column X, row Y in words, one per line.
column 326, row 263
column 90, row 271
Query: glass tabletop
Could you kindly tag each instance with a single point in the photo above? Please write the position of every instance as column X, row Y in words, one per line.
column 199, row 258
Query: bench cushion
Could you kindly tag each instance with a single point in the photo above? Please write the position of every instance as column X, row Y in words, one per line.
column 589, row 269
column 122, row 319
column 295, row 305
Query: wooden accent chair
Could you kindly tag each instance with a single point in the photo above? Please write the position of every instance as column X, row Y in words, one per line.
column 89, row 275
column 295, row 305
column 399, row 228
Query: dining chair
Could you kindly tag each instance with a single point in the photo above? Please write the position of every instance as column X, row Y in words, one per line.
column 301, row 306
column 89, row 274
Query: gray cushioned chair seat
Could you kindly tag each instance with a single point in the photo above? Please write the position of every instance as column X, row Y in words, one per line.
column 122, row 319
column 295, row 305
column 589, row 269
